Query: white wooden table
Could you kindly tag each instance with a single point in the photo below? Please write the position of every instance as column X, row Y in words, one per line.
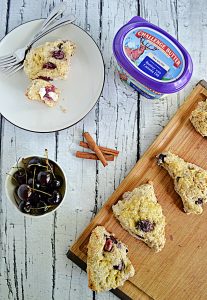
column 33, row 264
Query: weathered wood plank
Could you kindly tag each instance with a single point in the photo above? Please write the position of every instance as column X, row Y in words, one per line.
column 26, row 243
column 118, row 108
column 154, row 114
column 71, row 282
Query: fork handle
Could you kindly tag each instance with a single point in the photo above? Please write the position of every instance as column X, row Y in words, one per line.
column 59, row 23
column 55, row 13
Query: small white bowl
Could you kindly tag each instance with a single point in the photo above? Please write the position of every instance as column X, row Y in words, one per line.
column 10, row 187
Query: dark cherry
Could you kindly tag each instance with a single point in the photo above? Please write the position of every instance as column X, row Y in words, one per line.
column 108, row 245
column 45, row 78
column 36, row 184
column 42, row 205
column 30, row 182
column 199, row 201
column 49, row 89
column 57, row 182
column 60, row 45
column 34, row 199
column 24, row 192
column 161, row 158
column 34, row 163
column 25, row 207
column 58, row 54
column 49, row 65
column 120, row 266
column 145, row 225
column 16, row 198
column 56, row 197
column 20, row 176
column 114, row 240
column 44, row 178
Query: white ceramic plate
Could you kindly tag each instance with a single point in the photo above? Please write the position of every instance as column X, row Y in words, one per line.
column 79, row 92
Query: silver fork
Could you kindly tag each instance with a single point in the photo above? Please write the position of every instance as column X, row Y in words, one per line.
column 10, row 64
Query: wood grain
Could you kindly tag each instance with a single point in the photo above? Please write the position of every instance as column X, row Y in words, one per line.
column 171, row 273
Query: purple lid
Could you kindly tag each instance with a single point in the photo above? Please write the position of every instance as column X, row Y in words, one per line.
column 152, row 57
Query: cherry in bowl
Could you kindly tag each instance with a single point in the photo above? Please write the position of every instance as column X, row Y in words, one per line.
column 36, row 186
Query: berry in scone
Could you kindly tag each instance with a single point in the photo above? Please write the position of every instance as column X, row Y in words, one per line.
column 49, row 61
column 190, row 181
column 199, row 118
column 108, row 266
column 44, row 91
column 141, row 215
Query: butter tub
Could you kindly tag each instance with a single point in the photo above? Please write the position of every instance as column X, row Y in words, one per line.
column 150, row 60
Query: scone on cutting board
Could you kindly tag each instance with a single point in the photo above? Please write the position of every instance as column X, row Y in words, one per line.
column 49, row 61
column 141, row 215
column 190, row 181
column 198, row 118
column 108, row 266
column 43, row 91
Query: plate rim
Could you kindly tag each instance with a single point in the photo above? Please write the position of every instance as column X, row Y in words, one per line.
column 104, row 77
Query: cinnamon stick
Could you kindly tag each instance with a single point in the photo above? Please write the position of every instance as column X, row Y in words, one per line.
column 103, row 149
column 93, row 156
column 94, row 147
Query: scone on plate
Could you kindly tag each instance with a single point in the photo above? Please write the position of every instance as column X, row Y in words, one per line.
column 141, row 215
column 108, row 266
column 44, row 91
column 190, row 181
column 198, row 118
column 49, row 61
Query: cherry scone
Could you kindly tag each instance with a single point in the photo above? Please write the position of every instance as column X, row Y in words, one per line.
column 49, row 61
column 44, row 91
column 141, row 215
column 108, row 266
column 190, row 181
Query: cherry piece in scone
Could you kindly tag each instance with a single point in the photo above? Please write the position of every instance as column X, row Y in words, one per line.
column 49, row 65
column 58, row 54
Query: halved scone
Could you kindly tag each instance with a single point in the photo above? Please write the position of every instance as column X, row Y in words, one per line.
column 198, row 118
column 49, row 61
column 141, row 215
column 190, row 181
column 107, row 263
column 44, row 91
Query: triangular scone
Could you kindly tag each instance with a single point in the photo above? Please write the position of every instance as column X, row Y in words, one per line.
column 141, row 215
column 199, row 118
column 190, row 181
column 107, row 263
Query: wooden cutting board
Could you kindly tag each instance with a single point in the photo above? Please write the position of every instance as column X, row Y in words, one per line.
column 179, row 271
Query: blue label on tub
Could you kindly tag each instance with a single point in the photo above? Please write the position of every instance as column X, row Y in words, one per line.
column 152, row 68
column 153, row 54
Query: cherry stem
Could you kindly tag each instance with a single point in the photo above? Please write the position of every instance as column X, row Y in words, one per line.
column 48, row 206
column 12, row 177
column 46, row 154
column 39, row 191
column 33, row 180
